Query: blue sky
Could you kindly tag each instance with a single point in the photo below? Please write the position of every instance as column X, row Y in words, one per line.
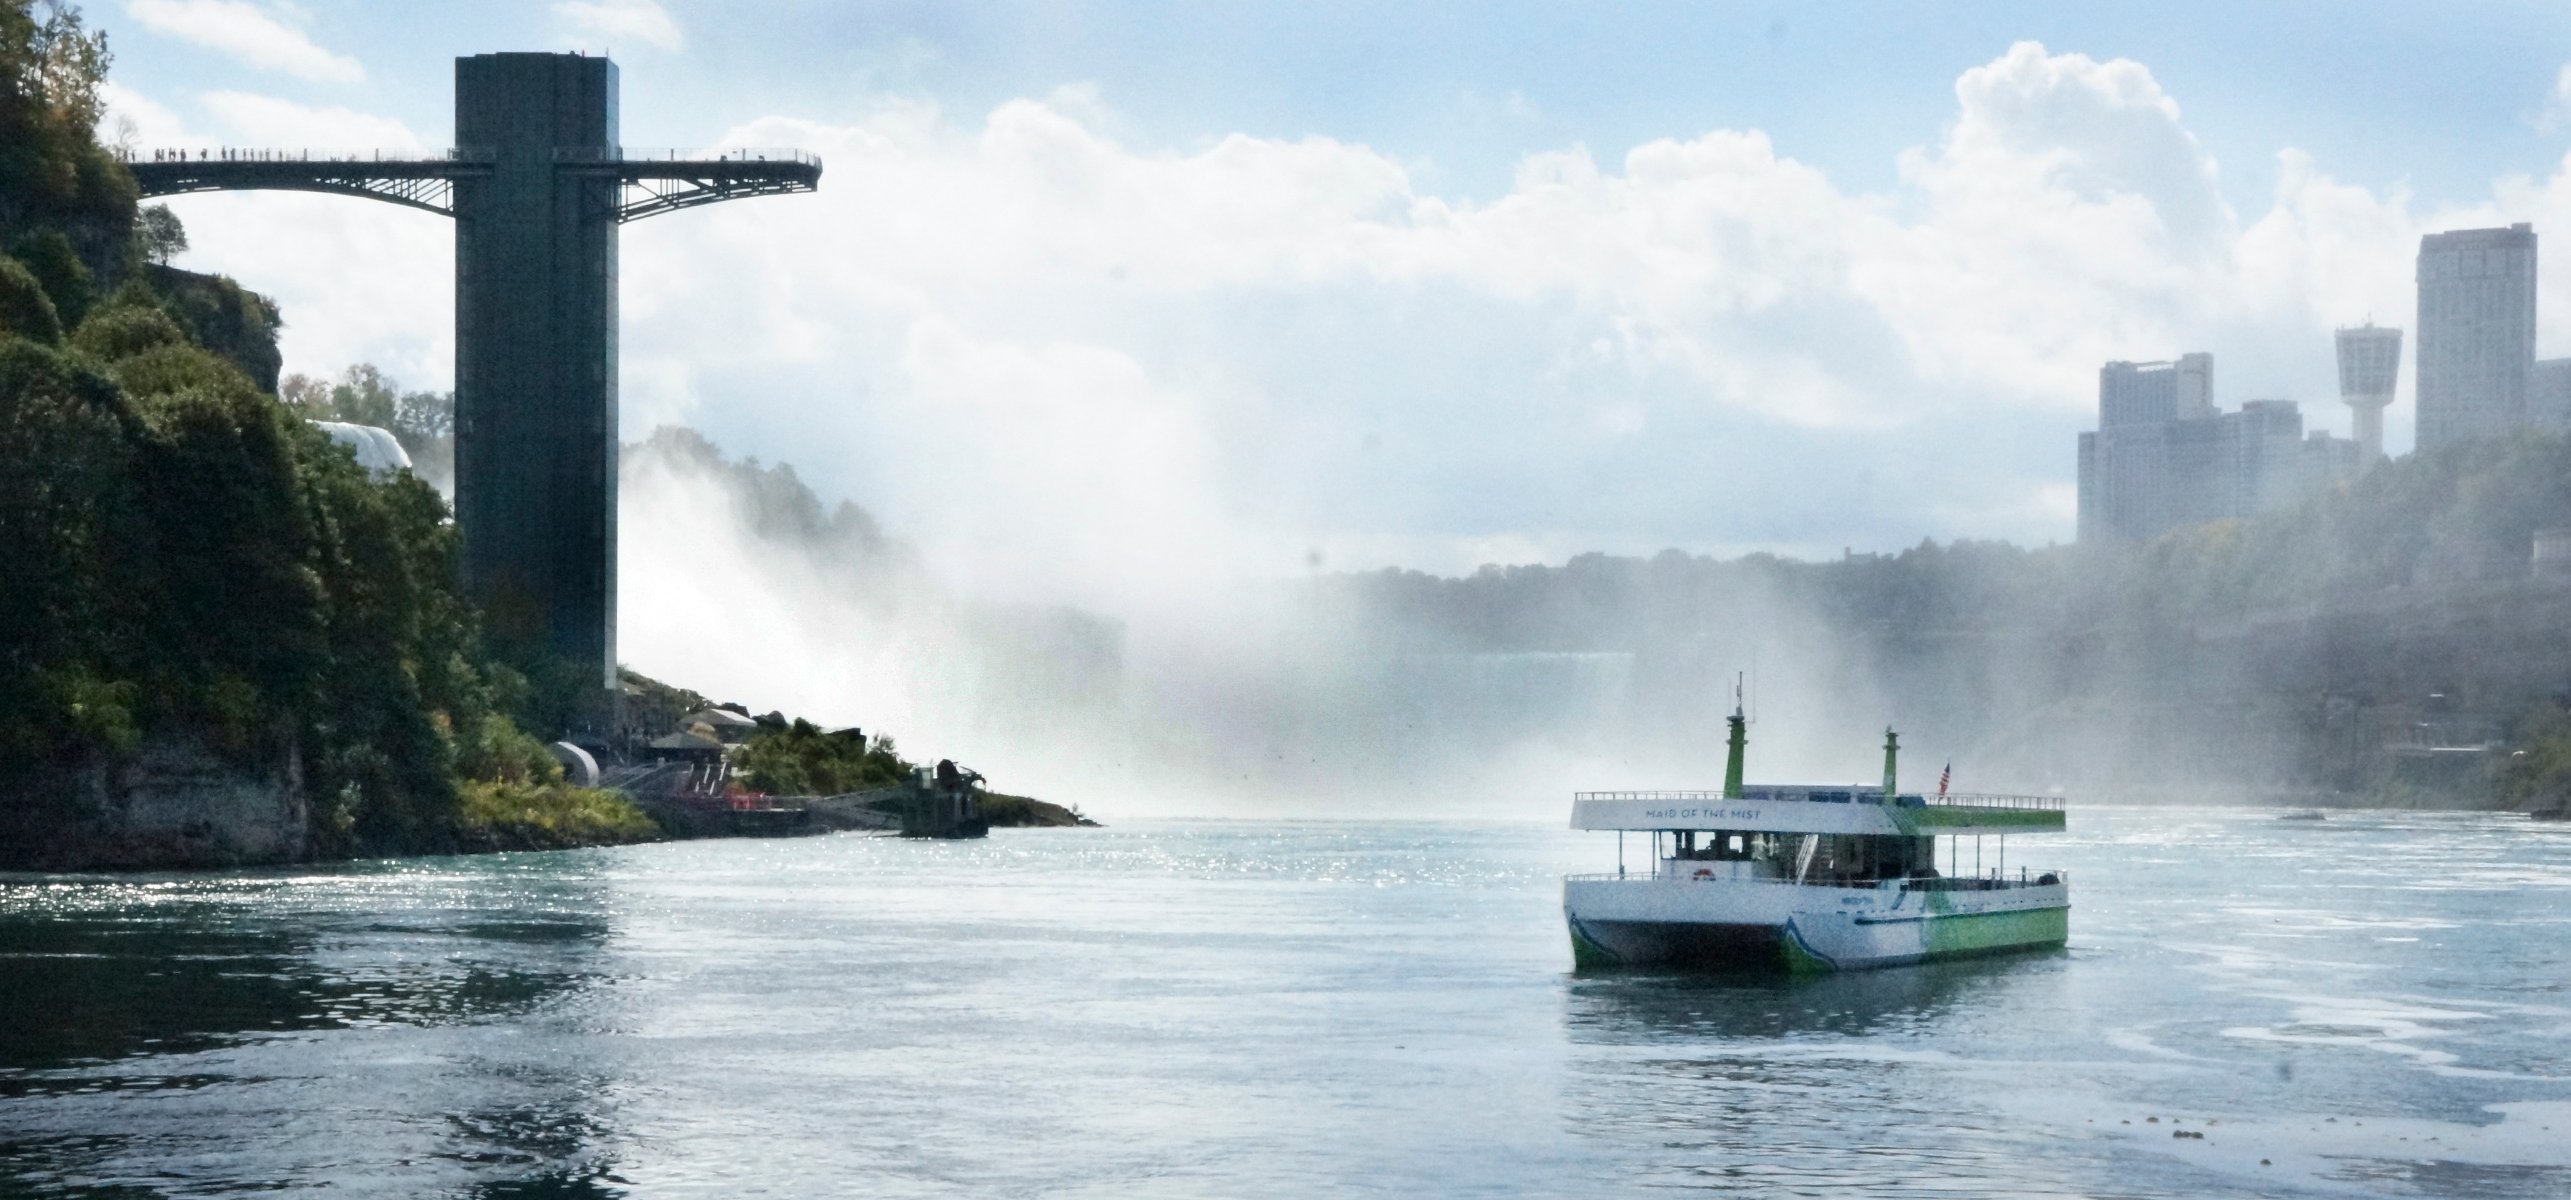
column 2386, row 93
column 1234, row 285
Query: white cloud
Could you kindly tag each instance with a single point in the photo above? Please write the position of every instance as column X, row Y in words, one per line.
column 642, row 21
column 151, row 122
column 1072, row 365
column 249, row 34
column 358, row 281
column 2556, row 111
column 255, row 120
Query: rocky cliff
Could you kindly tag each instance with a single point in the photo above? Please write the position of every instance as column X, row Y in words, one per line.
column 170, row 805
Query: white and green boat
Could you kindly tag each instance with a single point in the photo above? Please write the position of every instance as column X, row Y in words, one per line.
column 1814, row 877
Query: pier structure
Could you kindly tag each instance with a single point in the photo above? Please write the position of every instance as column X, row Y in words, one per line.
column 538, row 184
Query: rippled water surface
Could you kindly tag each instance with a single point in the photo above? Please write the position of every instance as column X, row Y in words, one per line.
column 2373, row 1005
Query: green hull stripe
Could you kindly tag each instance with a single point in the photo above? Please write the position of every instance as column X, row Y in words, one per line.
column 1800, row 958
column 1979, row 933
column 1586, row 954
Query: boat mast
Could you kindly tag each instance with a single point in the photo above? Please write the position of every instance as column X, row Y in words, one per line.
column 1738, row 742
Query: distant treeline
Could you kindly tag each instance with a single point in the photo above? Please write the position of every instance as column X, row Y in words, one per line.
column 2292, row 651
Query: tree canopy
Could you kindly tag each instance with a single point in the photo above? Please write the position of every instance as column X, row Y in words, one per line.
column 188, row 557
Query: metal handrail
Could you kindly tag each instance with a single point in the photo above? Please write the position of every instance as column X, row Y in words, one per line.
column 144, row 156
column 2023, row 877
column 1996, row 800
column 1859, row 794
column 615, row 154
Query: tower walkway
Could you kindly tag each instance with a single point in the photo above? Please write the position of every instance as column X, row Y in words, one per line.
column 538, row 186
column 653, row 181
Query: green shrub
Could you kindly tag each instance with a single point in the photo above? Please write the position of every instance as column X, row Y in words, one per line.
column 49, row 257
column 25, row 310
column 114, row 334
column 551, row 816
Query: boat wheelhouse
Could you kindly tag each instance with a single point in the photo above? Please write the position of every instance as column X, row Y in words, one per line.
column 1813, row 877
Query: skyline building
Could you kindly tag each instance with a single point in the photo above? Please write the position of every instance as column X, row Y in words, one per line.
column 2548, row 395
column 2164, row 457
column 2369, row 367
column 2476, row 333
column 2132, row 393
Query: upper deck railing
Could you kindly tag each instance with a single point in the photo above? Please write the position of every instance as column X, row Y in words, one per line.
column 1994, row 880
column 663, row 154
column 148, row 155
column 640, row 182
column 1848, row 795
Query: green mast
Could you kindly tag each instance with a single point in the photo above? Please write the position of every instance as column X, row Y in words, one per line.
column 1738, row 742
column 1892, row 751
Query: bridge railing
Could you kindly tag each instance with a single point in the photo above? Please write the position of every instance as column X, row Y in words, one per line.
column 138, row 155
column 611, row 154
column 1857, row 794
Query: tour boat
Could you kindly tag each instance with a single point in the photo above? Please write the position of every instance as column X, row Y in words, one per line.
column 1813, row 877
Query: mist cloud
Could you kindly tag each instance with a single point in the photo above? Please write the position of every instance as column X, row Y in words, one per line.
column 1154, row 381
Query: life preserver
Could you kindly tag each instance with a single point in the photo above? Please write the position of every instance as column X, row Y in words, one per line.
column 1705, row 872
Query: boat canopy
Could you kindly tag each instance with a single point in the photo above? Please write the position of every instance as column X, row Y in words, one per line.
column 1818, row 808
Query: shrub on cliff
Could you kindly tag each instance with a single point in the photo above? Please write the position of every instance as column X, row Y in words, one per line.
column 49, row 257
column 120, row 331
column 799, row 758
column 25, row 310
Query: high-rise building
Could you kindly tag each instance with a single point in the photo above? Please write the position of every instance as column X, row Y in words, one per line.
column 2476, row 333
column 2148, row 393
column 2548, row 395
column 2164, row 457
column 2369, row 366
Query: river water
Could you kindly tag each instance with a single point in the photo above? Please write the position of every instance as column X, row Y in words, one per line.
column 2379, row 1004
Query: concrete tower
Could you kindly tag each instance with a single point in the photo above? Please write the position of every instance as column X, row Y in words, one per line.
column 538, row 184
column 535, row 352
column 2369, row 365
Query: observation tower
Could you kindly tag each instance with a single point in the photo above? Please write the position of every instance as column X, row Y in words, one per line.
column 2369, row 366
column 537, row 184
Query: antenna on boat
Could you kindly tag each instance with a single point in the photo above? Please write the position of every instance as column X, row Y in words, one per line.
column 1737, row 743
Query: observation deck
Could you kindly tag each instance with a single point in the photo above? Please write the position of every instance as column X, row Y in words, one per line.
column 653, row 181
column 1841, row 809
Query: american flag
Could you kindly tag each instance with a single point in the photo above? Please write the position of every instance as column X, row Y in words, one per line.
column 1943, row 776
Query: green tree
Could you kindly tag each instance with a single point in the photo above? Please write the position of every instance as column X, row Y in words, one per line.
column 50, row 258
column 119, row 332
column 187, row 558
column 25, row 310
column 159, row 234
column 365, row 395
column 798, row 758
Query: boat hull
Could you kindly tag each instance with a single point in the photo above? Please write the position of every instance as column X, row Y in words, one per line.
column 1677, row 922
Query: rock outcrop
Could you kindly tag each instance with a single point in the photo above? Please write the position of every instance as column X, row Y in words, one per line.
column 171, row 805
